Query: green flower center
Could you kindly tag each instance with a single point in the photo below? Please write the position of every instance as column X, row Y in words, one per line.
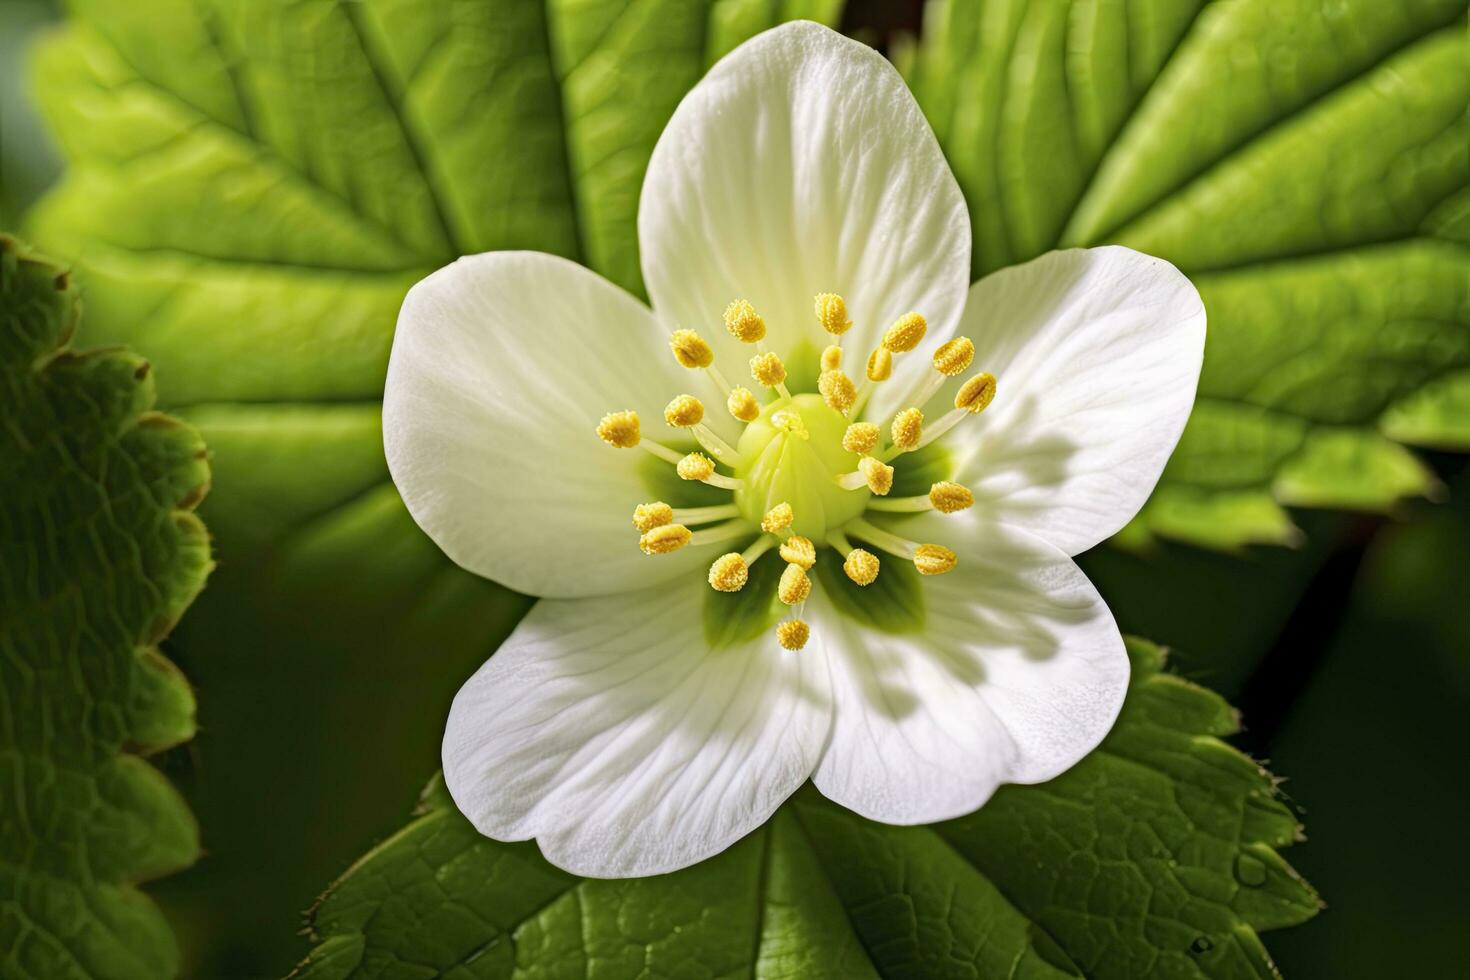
column 789, row 503
column 792, row 453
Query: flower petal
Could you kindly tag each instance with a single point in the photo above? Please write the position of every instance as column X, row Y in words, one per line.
column 1097, row 354
column 609, row 730
column 1018, row 673
column 502, row 366
column 801, row 164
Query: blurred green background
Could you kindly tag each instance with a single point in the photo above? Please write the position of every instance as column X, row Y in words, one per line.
column 1348, row 657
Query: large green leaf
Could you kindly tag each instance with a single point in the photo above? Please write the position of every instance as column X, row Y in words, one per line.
column 1307, row 163
column 100, row 553
column 251, row 188
column 1154, row 856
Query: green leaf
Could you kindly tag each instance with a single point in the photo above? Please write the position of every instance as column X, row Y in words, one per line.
column 251, row 189
column 100, row 553
column 1154, row 856
column 1307, row 164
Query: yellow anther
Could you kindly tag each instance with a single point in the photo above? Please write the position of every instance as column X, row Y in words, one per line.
column 880, row 364
column 908, row 426
column 933, row 559
column 646, row 517
column 696, row 466
column 878, row 474
column 799, row 551
column 861, row 566
column 729, row 573
column 664, row 539
column 684, row 411
column 793, row 634
column 837, row 390
column 744, row 323
column 831, row 358
column 954, row 356
column 777, row 519
column 794, row 586
column 949, row 497
column 620, row 429
column 860, row 437
column 790, row 423
column 832, row 313
column 690, row 349
column 767, row 369
column 905, row 333
column 742, row 405
column 976, row 393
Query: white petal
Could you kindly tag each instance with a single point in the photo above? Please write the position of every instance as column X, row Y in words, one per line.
column 610, row 731
column 502, row 366
column 1018, row 673
column 1097, row 355
column 801, row 164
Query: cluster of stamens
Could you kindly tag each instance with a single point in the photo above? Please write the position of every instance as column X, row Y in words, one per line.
column 664, row 529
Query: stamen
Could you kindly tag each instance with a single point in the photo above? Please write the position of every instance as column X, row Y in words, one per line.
column 768, row 370
column 933, row 559
column 620, row 429
column 861, row 566
column 872, row 472
column 646, row 517
column 729, row 573
column 905, row 333
column 831, row 358
column 698, row 466
column 665, row 539
column 690, row 349
column 948, row 497
column 837, row 391
column 945, row 497
column 880, row 365
column 743, row 406
column 744, row 323
column 974, row 395
column 860, row 437
column 977, row 393
column 799, row 551
column 793, row 634
column 794, row 586
column 954, row 356
column 777, row 519
column 929, row 559
column 908, row 426
column 832, row 314
column 879, row 475
column 684, row 412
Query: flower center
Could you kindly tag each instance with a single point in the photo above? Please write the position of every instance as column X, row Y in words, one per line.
column 806, row 473
column 792, row 453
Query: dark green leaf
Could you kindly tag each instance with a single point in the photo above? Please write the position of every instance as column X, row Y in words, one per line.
column 100, row 553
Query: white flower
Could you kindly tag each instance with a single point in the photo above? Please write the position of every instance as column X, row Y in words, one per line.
column 638, row 720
